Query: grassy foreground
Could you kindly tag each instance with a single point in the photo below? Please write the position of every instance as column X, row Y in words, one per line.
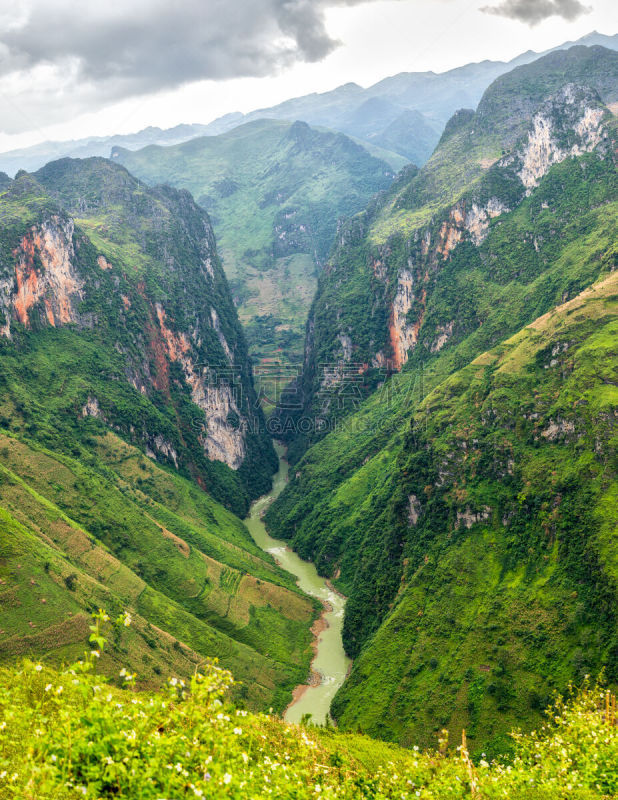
column 71, row 733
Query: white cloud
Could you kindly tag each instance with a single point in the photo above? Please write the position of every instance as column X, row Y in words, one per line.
column 78, row 56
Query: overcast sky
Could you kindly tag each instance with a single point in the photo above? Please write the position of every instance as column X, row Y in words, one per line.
column 70, row 69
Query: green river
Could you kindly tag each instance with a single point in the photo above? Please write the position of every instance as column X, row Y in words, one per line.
column 330, row 662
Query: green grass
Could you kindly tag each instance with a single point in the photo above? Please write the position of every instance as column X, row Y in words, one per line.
column 114, row 533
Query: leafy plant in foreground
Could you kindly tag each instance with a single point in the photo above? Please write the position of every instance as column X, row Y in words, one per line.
column 72, row 734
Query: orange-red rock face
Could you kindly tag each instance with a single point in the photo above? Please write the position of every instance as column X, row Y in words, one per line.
column 402, row 334
column 28, row 287
column 44, row 271
column 220, row 441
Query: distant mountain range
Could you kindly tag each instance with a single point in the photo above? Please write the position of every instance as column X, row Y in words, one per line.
column 404, row 113
column 381, row 113
column 32, row 158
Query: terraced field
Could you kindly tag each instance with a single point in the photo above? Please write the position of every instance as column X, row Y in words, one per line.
column 127, row 534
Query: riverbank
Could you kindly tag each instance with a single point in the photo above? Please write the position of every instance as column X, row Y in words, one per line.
column 315, row 679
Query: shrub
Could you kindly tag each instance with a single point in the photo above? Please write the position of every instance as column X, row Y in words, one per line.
column 70, row 581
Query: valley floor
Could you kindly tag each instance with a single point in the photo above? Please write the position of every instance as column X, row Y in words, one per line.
column 330, row 664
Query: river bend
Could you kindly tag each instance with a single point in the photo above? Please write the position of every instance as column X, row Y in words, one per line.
column 330, row 664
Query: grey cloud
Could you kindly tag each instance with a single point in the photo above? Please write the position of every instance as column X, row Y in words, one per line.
column 299, row 20
column 105, row 52
column 533, row 12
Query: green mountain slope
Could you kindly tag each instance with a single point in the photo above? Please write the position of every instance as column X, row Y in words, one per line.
column 115, row 305
column 125, row 387
column 332, row 507
column 275, row 191
column 505, row 510
column 409, row 134
column 425, row 264
column 122, row 533
column 430, row 291
column 356, row 494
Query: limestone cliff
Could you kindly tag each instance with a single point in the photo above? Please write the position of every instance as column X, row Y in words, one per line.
column 568, row 124
column 44, row 276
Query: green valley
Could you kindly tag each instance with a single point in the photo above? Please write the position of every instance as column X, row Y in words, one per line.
column 263, row 332
column 275, row 191
column 467, row 506
column 434, row 257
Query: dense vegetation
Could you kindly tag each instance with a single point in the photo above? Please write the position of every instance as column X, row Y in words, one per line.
column 72, row 734
column 467, row 507
column 275, row 192
column 142, row 286
column 458, row 479
column 111, row 527
column 349, row 507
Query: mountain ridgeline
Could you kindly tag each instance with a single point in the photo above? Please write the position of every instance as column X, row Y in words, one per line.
column 404, row 113
column 136, row 274
column 128, row 423
column 454, row 436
